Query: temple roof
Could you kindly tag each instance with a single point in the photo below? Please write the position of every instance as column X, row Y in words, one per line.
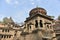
column 41, row 15
column 38, row 10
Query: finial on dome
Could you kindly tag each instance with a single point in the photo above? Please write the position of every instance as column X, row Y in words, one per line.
column 37, row 6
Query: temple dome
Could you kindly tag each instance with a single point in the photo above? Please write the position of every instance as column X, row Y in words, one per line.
column 38, row 10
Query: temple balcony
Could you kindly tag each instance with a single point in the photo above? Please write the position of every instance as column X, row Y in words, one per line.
column 47, row 36
column 51, row 30
column 37, row 29
column 24, row 33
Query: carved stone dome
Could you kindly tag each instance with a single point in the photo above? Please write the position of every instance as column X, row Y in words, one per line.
column 38, row 10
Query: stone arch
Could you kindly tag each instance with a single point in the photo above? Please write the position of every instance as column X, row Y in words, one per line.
column 58, row 37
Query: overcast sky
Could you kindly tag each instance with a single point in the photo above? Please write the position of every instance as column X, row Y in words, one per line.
column 19, row 9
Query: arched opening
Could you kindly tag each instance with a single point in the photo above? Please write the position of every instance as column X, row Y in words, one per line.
column 30, row 27
column 36, row 24
column 44, row 39
column 58, row 37
column 41, row 24
column 47, row 26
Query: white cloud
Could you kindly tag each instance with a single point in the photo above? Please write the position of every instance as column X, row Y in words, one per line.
column 33, row 3
column 31, row 0
column 16, row 2
column 38, row 0
column 8, row 1
column 13, row 2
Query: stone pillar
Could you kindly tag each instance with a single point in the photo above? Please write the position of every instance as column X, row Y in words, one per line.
column 38, row 23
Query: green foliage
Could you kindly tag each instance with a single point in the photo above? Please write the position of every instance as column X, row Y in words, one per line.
column 52, row 16
column 7, row 20
column 59, row 17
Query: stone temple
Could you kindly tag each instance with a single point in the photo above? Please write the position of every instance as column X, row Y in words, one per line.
column 38, row 26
